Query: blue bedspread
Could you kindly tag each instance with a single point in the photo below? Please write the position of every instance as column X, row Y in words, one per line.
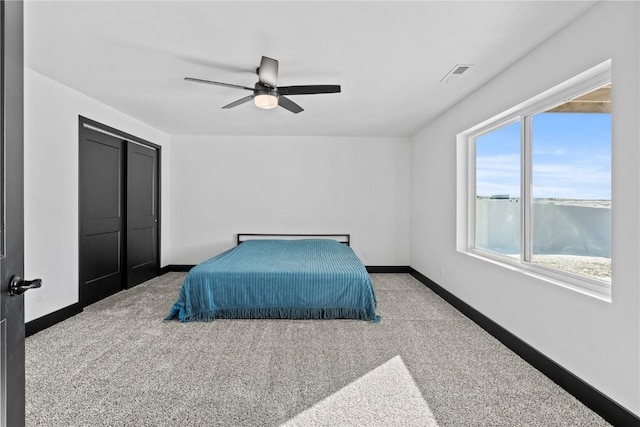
column 283, row 279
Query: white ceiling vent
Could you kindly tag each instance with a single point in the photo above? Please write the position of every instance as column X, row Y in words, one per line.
column 455, row 72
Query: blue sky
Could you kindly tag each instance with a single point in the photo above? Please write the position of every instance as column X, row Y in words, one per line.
column 571, row 157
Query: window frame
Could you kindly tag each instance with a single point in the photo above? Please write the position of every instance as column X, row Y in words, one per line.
column 466, row 192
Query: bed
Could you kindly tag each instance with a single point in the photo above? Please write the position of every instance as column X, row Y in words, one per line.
column 315, row 277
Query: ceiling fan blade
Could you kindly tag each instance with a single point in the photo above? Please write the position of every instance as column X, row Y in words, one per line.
column 288, row 104
column 308, row 90
column 239, row 102
column 268, row 71
column 210, row 82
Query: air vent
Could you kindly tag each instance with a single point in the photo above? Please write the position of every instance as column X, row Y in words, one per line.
column 455, row 72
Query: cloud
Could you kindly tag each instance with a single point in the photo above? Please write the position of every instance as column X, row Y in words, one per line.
column 498, row 175
column 574, row 181
column 549, row 152
column 584, row 178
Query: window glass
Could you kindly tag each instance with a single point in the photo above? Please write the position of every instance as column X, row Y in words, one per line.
column 497, row 222
column 571, row 186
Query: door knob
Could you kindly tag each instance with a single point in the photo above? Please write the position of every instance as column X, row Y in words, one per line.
column 17, row 286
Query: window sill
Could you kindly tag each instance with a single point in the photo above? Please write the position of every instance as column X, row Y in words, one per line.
column 592, row 288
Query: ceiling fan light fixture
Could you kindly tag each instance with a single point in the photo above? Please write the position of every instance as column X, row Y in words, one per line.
column 266, row 101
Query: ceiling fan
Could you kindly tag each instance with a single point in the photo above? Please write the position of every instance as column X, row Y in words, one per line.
column 266, row 94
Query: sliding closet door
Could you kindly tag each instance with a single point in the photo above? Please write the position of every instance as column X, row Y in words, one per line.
column 101, row 216
column 142, row 213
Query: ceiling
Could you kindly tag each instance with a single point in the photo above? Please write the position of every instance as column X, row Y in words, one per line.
column 389, row 58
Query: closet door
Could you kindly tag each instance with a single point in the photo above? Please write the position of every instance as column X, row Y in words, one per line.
column 142, row 213
column 101, row 216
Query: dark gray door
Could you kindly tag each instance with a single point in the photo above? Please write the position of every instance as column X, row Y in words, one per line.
column 101, row 216
column 142, row 214
column 12, row 215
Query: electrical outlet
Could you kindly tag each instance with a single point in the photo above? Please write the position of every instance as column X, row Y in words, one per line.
column 442, row 271
column 38, row 295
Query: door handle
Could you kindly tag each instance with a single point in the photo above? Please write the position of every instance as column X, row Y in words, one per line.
column 17, row 286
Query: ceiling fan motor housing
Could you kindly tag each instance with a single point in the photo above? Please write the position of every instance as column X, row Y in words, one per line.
column 262, row 89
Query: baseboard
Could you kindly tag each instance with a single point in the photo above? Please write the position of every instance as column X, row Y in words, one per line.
column 599, row 403
column 388, row 269
column 181, row 268
column 51, row 319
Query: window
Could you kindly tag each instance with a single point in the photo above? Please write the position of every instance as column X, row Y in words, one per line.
column 538, row 193
column 498, row 174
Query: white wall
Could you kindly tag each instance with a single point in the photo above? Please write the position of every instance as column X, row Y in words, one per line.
column 51, row 186
column 223, row 185
column 596, row 340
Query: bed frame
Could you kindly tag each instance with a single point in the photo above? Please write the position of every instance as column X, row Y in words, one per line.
column 342, row 238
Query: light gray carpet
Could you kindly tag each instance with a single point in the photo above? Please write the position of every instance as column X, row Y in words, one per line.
column 118, row 363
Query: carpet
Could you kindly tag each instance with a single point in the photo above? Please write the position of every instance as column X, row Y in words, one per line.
column 119, row 364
